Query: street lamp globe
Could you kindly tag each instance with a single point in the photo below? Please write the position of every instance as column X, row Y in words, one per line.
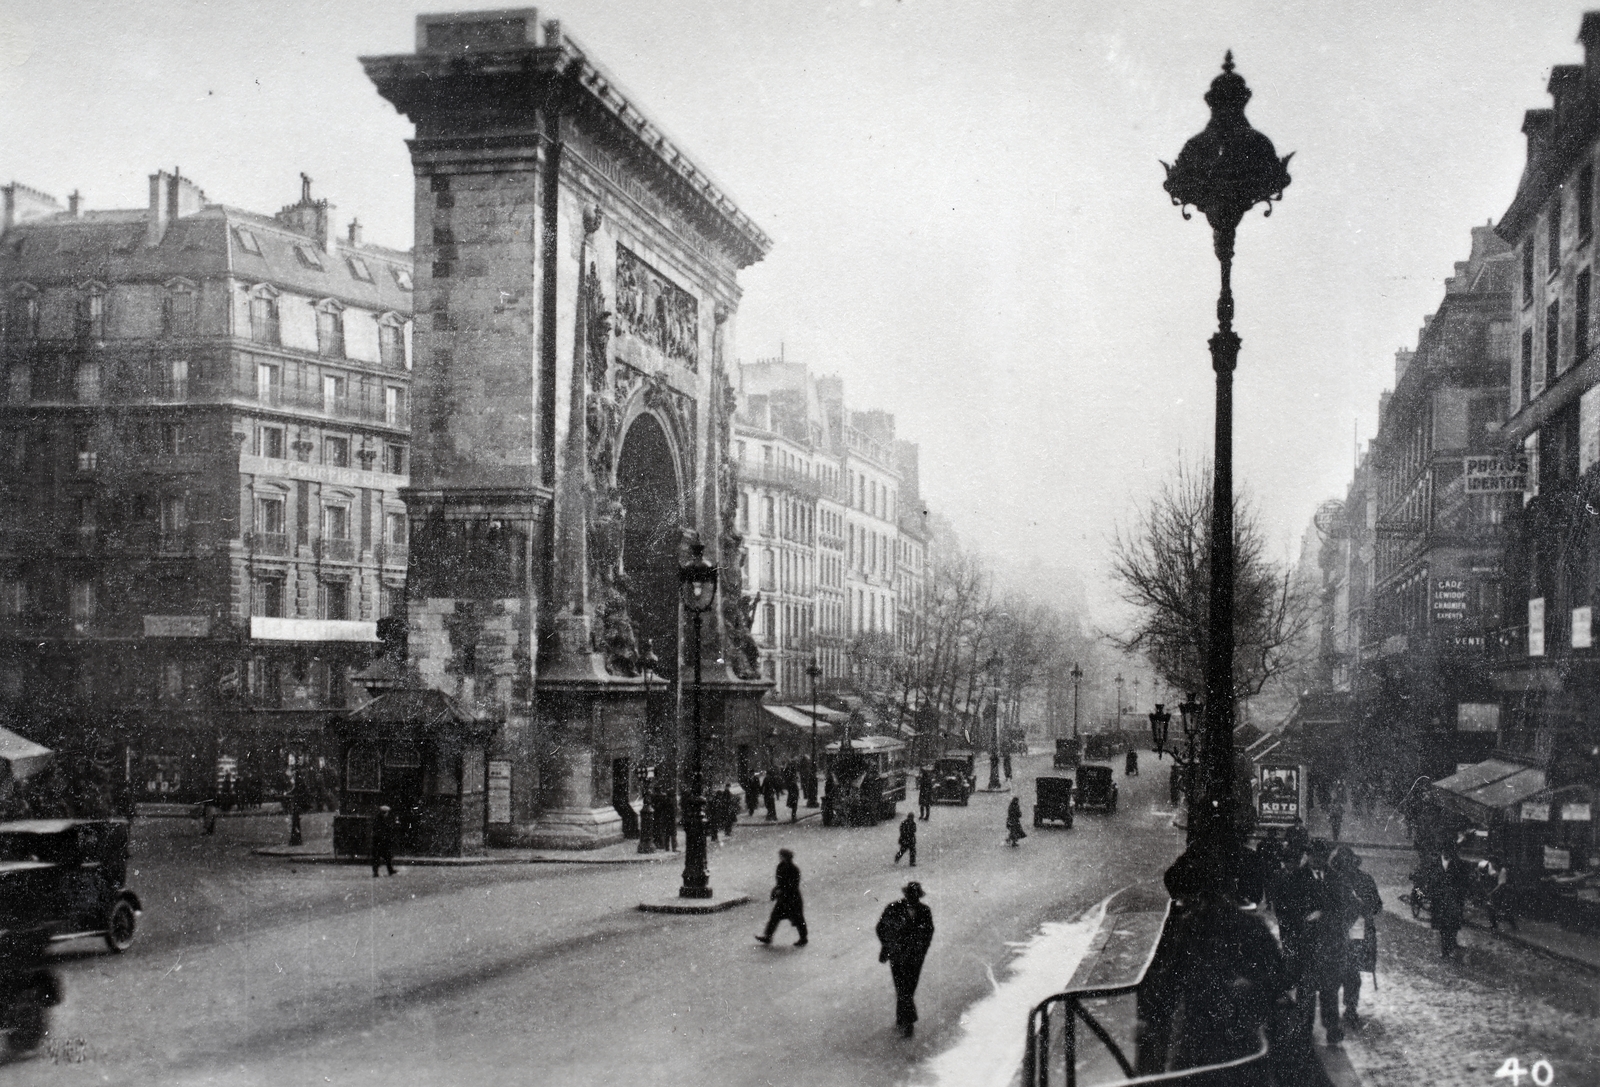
column 1160, row 721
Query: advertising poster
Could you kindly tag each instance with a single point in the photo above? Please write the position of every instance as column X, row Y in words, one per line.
column 1280, row 793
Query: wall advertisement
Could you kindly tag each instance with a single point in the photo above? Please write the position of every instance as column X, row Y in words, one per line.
column 1280, row 793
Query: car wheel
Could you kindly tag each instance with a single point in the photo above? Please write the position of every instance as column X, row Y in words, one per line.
column 120, row 926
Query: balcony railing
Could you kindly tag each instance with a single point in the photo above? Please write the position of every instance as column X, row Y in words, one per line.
column 774, row 475
column 336, row 550
column 393, row 554
column 269, row 543
column 314, row 400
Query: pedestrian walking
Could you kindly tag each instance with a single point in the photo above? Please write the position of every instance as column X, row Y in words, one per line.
column 730, row 810
column 1361, row 943
column 382, row 841
column 1447, row 894
column 1336, row 811
column 794, row 799
column 752, row 793
column 1005, row 764
column 1323, row 936
column 786, row 902
column 905, row 931
column 908, row 839
column 769, row 794
column 925, row 794
column 1014, row 831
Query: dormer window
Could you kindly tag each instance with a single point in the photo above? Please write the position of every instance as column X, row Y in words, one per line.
column 179, row 311
column 1552, row 251
column 359, row 269
column 308, row 257
column 392, row 341
column 92, row 312
column 247, row 240
column 22, row 315
column 330, row 329
column 402, row 278
column 264, row 315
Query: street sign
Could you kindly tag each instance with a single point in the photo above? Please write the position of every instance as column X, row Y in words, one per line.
column 1495, row 473
column 1449, row 599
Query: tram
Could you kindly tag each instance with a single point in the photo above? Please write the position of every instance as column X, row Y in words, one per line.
column 867, row 778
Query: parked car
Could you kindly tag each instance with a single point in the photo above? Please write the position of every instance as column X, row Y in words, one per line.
column 1052, row 800
column 1069, row 753
column 67, row 878
column 1096, row 788
column 954, row 778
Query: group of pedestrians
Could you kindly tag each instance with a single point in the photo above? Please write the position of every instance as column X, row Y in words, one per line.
column 795, row 779
column 904, row 931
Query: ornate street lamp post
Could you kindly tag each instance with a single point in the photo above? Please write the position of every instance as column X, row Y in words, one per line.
column 697, row 579
column 1118, row 682
column 1223, row 172
column 814, row 671
column 1189, row 760
column 649, row 664
column 1077, row 677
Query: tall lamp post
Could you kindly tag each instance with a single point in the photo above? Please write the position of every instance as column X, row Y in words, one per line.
column 1223, row 172
column 993, row 666
column 1077, row 678
column 697, row 580
column 1189, row 760
column 814, row 671
column 649, row 664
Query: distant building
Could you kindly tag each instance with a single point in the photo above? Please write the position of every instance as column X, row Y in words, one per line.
column 204, row 430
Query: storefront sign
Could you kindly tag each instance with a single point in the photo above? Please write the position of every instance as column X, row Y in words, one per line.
column 499, row 791
column 1495, row 474
column 1449, row 600
column 1574, row 813
column 177, row 626
column 1536, row 627
column 1557, row 860
column 1583, row 625
column 1535, row 813
column 1280, row 795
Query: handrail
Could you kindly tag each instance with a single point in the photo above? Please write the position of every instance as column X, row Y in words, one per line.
column 1036, row 1060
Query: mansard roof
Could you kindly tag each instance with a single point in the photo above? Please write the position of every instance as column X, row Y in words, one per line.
column 113, row 247
column 1558, row 137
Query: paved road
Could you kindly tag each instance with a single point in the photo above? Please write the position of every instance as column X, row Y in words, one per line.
column 259, row 971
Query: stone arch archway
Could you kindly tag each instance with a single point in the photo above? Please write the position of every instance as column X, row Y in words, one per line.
column 650, row 491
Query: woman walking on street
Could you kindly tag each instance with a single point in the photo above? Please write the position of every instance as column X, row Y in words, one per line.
column 1014, row 831
column 786, row 902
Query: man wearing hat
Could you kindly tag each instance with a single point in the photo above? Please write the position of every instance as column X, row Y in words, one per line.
column 905, row 930
column 786, row 902
column 382, row 840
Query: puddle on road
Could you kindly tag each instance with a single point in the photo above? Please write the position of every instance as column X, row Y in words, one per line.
column 988, row 1048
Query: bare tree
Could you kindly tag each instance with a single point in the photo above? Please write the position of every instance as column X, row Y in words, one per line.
column 1164, row 565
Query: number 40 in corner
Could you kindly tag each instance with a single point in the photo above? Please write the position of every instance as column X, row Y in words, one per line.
column 1540, row 1072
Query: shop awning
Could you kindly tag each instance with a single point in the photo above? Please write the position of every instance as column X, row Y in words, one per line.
column 1489, row 788
column 797, row 718
column 20, row 756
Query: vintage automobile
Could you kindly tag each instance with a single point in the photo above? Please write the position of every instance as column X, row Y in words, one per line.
column 953, row 777
column 1052, row 800
column 1096, row 788
column 67, row 879
column 1101, row 747
column 1069, row 753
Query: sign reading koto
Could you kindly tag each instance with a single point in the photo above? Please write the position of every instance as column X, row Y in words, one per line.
column 1496, row 473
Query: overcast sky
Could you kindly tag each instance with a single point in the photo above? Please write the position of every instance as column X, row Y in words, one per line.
column 965, row 199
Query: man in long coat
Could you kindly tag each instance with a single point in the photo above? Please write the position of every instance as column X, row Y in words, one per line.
column 786, row 902
column 905, row 931
column 382, row 840
column 1447, row 891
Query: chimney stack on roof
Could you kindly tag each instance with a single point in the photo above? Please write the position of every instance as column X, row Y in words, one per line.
column 355, row 231
column 313, row 218
column 172, row 196
column 74, row 204
column 23, row 203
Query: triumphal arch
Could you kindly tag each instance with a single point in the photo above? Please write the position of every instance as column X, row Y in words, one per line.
column 575, row 289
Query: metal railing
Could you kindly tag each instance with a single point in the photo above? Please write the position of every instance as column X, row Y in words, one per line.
column 1052, row 1042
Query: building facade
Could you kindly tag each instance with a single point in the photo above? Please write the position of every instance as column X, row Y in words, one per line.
column 1548, row 675
column 205, row 430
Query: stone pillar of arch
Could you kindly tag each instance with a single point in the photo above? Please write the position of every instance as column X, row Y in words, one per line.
column 576, row 277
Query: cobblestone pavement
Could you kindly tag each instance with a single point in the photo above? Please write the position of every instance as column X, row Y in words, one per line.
column 1438, row 1022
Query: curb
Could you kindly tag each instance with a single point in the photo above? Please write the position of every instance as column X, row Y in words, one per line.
column 1536, row 948
column 682, row 906
column 283, row 853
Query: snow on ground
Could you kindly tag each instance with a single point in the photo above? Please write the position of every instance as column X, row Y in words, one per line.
column 988, row 1049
